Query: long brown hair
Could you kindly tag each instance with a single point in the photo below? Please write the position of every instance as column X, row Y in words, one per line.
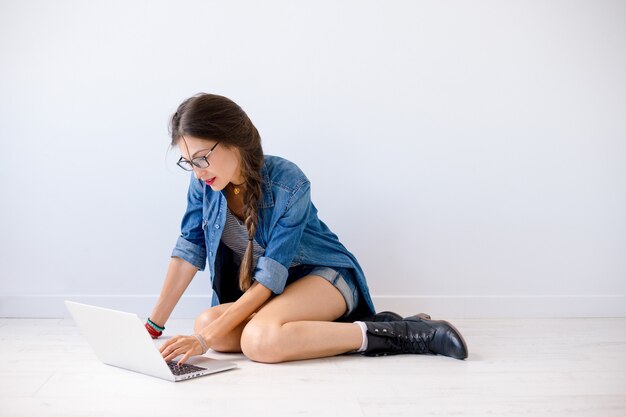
column 214, row 117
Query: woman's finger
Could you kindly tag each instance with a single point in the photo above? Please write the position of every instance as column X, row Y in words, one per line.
column 169, row 344
column 170, row 356
column 175, row 345
column 185, row 358
column 171, row 349
column 191, row 350
column 164, row 345
column 176, row 352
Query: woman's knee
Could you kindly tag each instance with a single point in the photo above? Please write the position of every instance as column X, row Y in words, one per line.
column 260, row 342
column 230, row 342
column 208, row 316
column 204, row 319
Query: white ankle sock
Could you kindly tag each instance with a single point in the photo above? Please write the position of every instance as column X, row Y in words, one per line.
column 364, row 333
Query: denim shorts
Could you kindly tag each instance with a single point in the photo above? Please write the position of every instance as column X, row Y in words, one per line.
column 342, row 278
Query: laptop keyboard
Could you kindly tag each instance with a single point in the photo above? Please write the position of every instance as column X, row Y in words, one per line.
column 183, row 369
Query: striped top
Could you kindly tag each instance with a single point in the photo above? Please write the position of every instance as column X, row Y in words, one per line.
column 235, row 236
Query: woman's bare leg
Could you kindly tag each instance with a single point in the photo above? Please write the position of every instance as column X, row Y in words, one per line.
column 299, row 324
column 231, row 343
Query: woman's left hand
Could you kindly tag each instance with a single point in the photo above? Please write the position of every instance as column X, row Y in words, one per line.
column 180, row 345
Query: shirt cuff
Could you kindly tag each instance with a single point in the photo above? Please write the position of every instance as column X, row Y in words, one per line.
column 271, row 274
column 190, row 252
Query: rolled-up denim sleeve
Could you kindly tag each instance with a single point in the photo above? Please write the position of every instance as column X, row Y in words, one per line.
column 272, row 268
column 190, row 245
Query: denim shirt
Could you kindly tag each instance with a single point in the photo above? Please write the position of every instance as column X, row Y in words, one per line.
column 288, row 228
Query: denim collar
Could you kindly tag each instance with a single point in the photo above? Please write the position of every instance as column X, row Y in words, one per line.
column 266, row 187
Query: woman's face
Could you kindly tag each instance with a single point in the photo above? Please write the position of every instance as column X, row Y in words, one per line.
column 224, row 163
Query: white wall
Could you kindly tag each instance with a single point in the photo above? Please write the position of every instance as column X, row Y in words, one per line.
column 470, row 154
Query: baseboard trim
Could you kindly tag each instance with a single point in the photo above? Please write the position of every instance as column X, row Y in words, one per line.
column 478, row 306
column 507, row 306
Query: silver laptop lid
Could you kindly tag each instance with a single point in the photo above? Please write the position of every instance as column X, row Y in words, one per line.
column 120, row 339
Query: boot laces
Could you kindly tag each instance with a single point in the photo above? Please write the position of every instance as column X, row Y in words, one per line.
column 413, row 343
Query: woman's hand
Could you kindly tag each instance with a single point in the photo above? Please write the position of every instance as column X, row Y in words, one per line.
column 181, row 345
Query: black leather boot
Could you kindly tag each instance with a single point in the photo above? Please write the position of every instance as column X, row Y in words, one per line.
column 414, row 334
column 383, row 316
column 390, row 316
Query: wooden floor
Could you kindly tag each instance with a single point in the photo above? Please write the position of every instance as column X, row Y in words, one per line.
column 532, row 367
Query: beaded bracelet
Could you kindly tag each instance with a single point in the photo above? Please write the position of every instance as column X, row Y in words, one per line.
column 202, row 343
column 153, row 333
column 156, row 326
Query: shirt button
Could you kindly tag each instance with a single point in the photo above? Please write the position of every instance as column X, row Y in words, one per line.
column 217, row 226
column 211, row 253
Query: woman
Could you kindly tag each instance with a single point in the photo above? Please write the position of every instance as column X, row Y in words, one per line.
column 284, row 287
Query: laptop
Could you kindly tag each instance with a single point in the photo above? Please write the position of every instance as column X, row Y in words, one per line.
column 120, row 339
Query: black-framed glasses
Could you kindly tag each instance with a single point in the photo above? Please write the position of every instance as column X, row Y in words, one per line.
column 200, row 162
